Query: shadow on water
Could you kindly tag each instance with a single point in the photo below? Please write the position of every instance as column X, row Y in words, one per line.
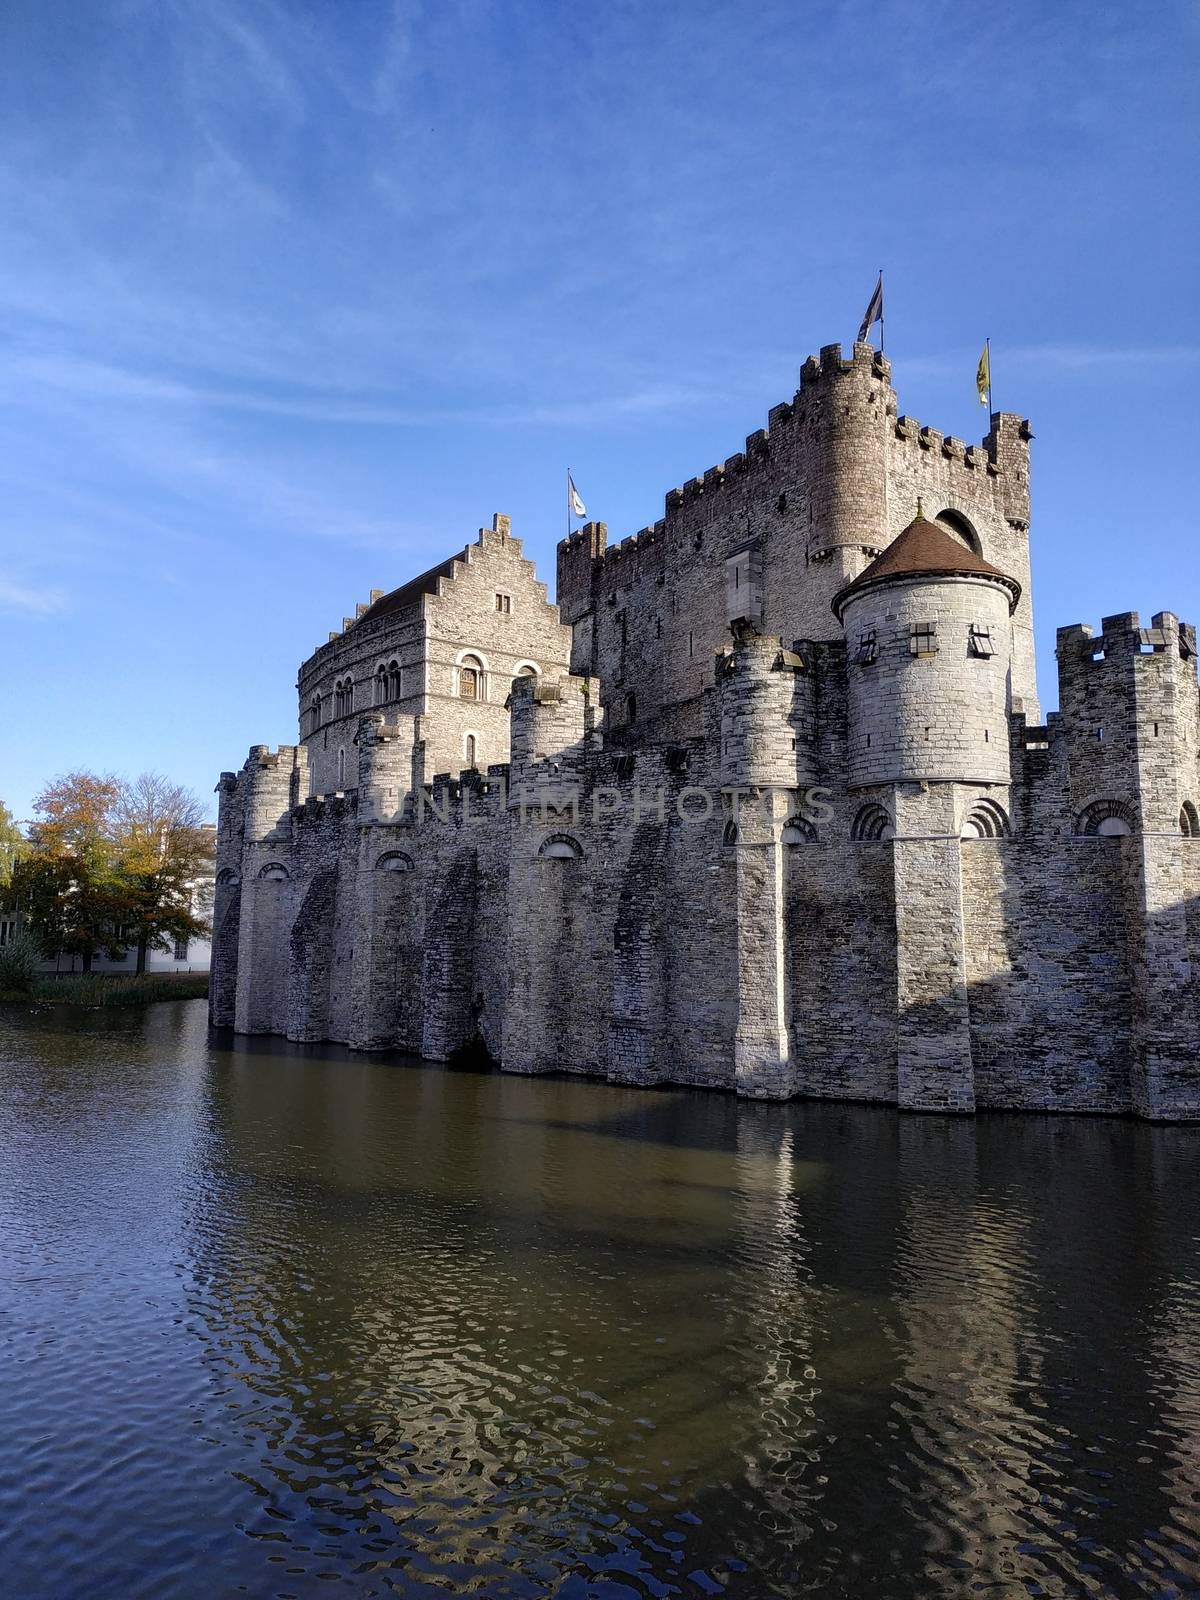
column 331, row 1318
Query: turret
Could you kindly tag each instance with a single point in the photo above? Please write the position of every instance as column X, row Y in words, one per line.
column 385, row 766
column 928, row 641
column 1007, row 446
column 552, row 722
column 1131, row 716
column 269, row 782
column 1130, row 709
column 766, row 715
column 848, row 408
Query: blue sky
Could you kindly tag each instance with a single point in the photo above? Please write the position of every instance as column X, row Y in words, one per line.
column 293, row 296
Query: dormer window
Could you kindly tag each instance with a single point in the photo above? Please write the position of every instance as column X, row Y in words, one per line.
column 868, row 648
column 979, row 641
column 922, row 639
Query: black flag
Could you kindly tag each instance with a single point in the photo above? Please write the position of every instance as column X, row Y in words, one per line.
column 874, row 312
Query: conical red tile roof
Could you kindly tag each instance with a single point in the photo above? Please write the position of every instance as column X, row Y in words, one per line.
column 924, row 549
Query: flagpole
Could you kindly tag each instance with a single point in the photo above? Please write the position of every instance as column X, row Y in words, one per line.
column 568, row 502
column 987, row 345
column 881, row 311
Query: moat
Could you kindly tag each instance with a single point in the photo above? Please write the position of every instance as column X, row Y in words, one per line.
column 283, row 1321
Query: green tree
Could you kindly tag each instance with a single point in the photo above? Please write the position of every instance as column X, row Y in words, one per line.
column 68, row 885
column 12, row 844
column 165, row 856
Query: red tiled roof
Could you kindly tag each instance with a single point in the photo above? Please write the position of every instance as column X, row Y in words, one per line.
column 924, row 550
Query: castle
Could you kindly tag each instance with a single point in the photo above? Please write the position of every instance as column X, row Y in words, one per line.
column 763, row 803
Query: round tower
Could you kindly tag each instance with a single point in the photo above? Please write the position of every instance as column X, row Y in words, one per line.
column 848, row 408
column 929, row 645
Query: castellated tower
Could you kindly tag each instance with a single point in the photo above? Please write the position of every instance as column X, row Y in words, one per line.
column 928, row 646
column 1129, row 726
column 847, row 409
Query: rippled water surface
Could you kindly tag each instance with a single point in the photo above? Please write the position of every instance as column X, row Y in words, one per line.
column 289, row 1322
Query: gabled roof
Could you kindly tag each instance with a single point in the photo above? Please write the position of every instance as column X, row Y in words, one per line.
column 407, row 593
column 925, row 550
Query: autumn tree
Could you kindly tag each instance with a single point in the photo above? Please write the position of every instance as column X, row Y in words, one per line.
column 164, row 853
column 68, row 884
column 114, row 865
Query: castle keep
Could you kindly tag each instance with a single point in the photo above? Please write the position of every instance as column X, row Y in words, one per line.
column 763, row 803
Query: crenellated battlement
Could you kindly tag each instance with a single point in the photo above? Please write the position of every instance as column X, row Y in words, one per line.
column 1122, row 635
column 981, row 458
column 830, row 364
column 261, row 756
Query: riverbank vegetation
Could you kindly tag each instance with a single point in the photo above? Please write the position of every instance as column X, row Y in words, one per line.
column 103, row 989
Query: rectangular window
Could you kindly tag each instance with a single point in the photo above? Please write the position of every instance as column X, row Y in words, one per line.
column 922, row 638
column 504, row 604
column 181, row 949
column 980, row 642
column 868, row 648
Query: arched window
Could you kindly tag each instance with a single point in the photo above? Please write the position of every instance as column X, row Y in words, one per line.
column 1112, row 828
column 469, row 749
column 561, row 847
column 1189, row 821
column 381, row 684
column 314, row 713
column 394, row 861
column 395, row 680
column 798, row 830
column 1105, row 819
column 525, row 669
column 341, row 769
column 228, row 875
column 986, row 820
column 470, row 678
column 274, row 872
column 630, row 708
column 872, row 823
column 343, row 697
column 954, row 522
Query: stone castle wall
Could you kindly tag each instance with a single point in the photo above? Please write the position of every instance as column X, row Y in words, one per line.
column 756, row 859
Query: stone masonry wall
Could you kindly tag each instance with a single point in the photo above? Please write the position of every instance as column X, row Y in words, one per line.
column 684, row 863
column 941, row 715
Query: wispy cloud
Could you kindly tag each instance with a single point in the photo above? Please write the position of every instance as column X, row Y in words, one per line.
column 83, row 379
column 1048, row 360
column 31, row 601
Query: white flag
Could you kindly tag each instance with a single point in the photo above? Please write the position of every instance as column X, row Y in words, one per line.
column 578, row 508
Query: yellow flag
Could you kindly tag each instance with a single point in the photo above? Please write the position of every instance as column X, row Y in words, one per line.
column 983, row 376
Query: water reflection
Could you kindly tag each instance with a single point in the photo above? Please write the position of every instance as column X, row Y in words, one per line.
column 276, row 1319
